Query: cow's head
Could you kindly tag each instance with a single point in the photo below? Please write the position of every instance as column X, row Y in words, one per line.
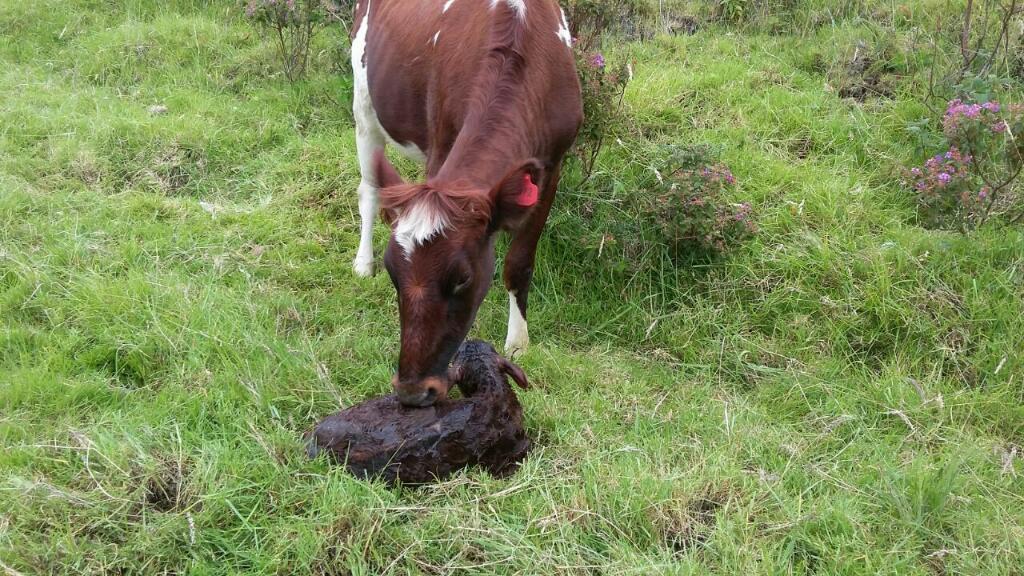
column 441, row 261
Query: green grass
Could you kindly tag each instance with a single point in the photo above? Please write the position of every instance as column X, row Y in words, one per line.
column 840, row 396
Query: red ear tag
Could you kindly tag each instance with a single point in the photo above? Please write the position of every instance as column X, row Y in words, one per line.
column 530, row 193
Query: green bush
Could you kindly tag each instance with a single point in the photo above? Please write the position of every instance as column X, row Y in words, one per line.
column 603, row 90
column 977, row 176
column 688, row 211
column 603, row 83
column 591, row 20
column 292, row 25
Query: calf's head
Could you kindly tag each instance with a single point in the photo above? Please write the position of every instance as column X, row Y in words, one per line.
column 441, row 261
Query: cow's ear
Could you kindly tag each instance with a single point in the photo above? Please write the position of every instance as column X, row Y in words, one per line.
column 517, row 194
column 386, row 174
column 387, row 177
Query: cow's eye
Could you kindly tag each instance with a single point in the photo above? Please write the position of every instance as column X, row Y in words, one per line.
column 461, row 284
column 459, row 277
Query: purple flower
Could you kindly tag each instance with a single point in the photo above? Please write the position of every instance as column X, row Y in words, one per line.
column 991, row 106
column 597, row 61
column 983, row 193
column 944, row 178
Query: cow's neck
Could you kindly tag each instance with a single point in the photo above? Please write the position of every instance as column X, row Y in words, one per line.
column 482, row 157
column 494, row 136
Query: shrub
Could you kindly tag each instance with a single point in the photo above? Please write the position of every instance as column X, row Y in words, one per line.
column 603, row 84
column 974, row 50
column 603, row 89
column 748, row 10
column 292, row 25
column 688, row 210
column 591, row 20
column 974, row 178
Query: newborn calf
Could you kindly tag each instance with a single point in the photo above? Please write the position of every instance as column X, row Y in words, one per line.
column 382, row 438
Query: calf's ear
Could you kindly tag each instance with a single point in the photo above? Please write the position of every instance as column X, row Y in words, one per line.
column 517, row 194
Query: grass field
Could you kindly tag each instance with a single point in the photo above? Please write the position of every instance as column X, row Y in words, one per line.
column 842, row 395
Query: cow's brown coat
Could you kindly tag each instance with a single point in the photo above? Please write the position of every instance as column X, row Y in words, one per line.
column 495, row 97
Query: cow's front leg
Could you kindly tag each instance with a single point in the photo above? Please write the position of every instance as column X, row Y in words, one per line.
column 518, row 336
column 518, row 272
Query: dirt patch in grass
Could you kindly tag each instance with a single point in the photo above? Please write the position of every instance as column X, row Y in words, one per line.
column 687, row 522
column 166, row 486
column 169, row 168
column 172, row 168
column 866, row 74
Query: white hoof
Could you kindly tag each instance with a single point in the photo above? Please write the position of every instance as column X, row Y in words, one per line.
column 515, row 348
column 518, row 335
column 363, row 268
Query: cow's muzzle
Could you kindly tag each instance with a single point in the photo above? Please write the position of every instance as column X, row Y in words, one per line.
column 421, row 393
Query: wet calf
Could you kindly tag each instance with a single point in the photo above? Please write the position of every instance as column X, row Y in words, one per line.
column 382, row 438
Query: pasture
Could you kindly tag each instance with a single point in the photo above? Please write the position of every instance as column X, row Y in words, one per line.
column 842, row 394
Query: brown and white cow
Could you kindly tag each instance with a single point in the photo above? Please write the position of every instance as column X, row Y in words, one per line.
column 485, row 93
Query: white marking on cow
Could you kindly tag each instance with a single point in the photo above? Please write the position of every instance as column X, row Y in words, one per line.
column 369, row 139
column 419, row 224
column 436, row 35
column 563, row 30
column 447, row 5
column 519, row 6
column 409, row 149
column 518, row 334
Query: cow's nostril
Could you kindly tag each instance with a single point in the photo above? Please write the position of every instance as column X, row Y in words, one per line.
column 424, row 393
column 431, row 396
